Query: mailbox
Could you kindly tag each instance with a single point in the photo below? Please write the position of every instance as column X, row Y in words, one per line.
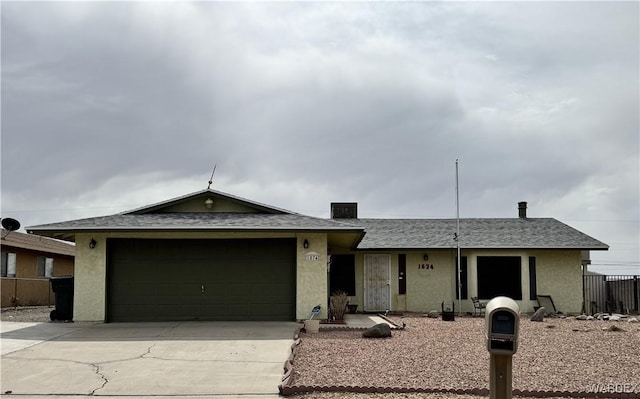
column 502, row 323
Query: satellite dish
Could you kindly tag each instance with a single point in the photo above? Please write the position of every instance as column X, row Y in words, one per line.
column 10, row 224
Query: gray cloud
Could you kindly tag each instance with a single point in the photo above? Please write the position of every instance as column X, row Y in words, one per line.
column 109, row 106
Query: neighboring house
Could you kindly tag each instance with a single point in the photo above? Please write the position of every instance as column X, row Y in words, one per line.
column 214, row 256
column 27, row 263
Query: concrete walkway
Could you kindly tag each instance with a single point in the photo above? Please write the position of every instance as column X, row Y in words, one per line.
column 218, row 359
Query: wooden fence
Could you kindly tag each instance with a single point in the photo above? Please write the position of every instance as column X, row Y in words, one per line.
column 26, row 292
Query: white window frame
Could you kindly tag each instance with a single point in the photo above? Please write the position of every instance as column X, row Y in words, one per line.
column 44, row 266
column 11, row 264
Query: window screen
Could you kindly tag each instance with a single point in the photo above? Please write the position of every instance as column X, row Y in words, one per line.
column 499, row 276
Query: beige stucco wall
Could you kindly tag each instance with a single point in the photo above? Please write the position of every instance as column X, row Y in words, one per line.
column 219, row 205
column 558, row 274
column 89, row 297
column 428, row 287
column 91, row 275
column 311, row 276
column 526, row 305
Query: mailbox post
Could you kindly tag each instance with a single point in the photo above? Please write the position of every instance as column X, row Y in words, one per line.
column 502, row 324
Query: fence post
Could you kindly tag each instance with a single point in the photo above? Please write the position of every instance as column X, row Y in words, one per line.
column 635, row 293
column 15, row 293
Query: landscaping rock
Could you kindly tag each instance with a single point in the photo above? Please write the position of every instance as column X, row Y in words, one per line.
column 615, row 318
column 538, row 315
column 613, row 328
column 633, row 320
column 590, row 318
column 581, row 317
column 381, row 330
column 434, row 314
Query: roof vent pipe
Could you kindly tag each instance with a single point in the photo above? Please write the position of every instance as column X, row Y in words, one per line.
column 522, row 209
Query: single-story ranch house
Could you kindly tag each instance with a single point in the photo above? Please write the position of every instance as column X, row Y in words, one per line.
column 214, row 256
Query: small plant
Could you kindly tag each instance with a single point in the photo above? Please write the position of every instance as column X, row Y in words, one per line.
column 14, row 301
column 338, row 305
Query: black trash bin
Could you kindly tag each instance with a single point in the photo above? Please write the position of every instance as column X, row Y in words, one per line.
column 449, row 312
column 62, row 286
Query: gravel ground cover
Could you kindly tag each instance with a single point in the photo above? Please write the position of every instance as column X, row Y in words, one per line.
column 558, row 355
column 565, row 356
column 26, row 314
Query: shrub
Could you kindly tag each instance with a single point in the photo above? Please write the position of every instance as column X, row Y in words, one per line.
column 338, row 305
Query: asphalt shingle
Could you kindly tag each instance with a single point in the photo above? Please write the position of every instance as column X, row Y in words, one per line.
column 197, row 221
column 543, row 233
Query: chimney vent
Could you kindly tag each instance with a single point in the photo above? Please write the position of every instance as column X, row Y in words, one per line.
column 344, row 210
column 522, row 209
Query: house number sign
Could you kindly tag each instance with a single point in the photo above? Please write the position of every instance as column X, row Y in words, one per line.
column 425, row 266
column 312, row 256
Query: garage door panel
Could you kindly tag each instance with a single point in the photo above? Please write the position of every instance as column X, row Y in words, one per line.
column 164, row 279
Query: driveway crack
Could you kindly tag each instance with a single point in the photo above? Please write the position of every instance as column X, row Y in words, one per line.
column 147, row 352
column 99, row 373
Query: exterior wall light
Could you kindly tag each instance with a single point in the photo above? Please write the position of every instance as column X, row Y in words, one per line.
column 208, row 203
column 305, row 244
column 92, row 243
column 425, row 257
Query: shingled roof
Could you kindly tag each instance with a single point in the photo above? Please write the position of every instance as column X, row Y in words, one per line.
column 16, row 239
column 531, row 233
column 379, row 234
column 194, row 221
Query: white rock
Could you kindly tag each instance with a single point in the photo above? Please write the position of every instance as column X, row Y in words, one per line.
column 590, row 318
column 581, row 317
column 615, row 318
column 633, row 320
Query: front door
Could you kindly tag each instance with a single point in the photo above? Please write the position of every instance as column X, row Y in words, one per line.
column 376, row 282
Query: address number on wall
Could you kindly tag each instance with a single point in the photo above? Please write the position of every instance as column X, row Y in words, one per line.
column 425, row 266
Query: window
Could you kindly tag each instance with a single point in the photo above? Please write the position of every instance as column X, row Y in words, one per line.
column 8, row 264
column 342, row 275
column 499, row 275
column 44, row 266
column 533, row 286
column 402, row 274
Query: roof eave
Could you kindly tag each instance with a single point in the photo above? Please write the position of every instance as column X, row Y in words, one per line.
column 69, row 234
column 421, row 248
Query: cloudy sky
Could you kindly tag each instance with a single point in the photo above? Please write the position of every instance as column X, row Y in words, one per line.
column 108, row 106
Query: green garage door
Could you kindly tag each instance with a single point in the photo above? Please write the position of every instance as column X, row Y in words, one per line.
column 169, row 280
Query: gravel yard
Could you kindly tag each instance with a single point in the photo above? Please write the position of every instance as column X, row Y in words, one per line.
column 557, row 355
column 26, row 314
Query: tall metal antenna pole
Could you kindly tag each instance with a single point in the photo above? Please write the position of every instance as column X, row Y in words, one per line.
column 211, row 178
column 459, row 268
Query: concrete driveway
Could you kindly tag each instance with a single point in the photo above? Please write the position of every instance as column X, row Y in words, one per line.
column 222, row 359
